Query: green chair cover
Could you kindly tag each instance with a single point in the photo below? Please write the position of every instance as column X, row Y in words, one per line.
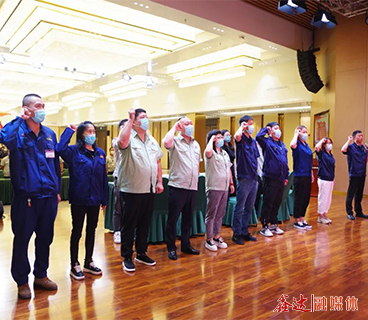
column 1, row 173
column 64, row 187
column 65, row 172
column 109, row 211
column 283, row 213
column 159, row 217
column 6, row 191
column 227, row 220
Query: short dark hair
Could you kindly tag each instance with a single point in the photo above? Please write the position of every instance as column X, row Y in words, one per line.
column 245, row 119
column 83, row 126
column 214, row 132
column 272, row 124
column 27, row 99
column 182, row 117
column 224, row 131
column 122, row 122
column 356, row 132
column 138, row 112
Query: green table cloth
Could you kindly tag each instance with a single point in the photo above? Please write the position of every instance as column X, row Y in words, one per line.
column 227, row 220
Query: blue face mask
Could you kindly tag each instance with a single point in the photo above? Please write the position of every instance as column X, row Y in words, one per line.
column 227, row 139
column 90, row 139
column 220, row 143
column 39, row 116
column 144, row 124
column 189, row 130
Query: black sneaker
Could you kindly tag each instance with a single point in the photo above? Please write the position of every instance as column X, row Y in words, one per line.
column 351, row 217
column 238, row 239
column 361, row 215
column 128, row 265
column 91, row 268
column 299, row 225
column 248, row 237
column 76, row 272
column 143, row 258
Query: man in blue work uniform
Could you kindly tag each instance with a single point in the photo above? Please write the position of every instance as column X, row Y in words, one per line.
column 246, row 166
column 35, row 176
column 275, row 174
column 357, row 162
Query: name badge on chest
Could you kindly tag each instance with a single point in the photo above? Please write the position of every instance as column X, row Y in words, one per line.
column 50, row 153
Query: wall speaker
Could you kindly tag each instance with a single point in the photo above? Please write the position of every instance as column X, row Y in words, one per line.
column 308, row 70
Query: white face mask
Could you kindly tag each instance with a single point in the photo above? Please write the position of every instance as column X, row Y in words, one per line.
column 329, row 146
column 278, row 133
column 251, row 129
column 304, row 136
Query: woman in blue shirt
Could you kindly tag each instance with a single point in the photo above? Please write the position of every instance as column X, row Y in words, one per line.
column 303, row 176
column 326, row 178
column 88, row 190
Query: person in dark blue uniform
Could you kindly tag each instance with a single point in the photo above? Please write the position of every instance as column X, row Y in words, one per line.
column 357, row 162
column 303, row 176
column 275, row 176
column 88, row 190
column 36, row 179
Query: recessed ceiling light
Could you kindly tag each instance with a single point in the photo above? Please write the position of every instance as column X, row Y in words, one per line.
column 147, row 7
column 141, row 5
column 136, row 3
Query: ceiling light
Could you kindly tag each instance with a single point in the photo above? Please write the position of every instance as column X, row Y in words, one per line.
column 100, row 74
column 70, row 69
column 270, row 110
column 324, row 18
column 80, row 106
column 217, row 76
column 128, row 95
column 147, row 7
column 37, row 65
column 291, row 6
column 126, row 77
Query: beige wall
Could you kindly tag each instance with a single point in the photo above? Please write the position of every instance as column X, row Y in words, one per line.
column 343, row 66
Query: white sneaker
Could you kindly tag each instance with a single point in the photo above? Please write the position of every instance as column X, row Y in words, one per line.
column 220, row 243
column 266, row 232
column 306, row 225
column 329, row 220
column 323, row 220
column 274, row 228
column 210, row 245
column 117, row 238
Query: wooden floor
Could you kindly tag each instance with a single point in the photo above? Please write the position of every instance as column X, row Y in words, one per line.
column 241, row 282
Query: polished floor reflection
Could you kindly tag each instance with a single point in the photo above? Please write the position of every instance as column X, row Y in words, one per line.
column 241, row 282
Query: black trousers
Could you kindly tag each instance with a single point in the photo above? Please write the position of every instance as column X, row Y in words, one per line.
column 78, row 214
column 355, row 191
column 137, row 216
column 117, row 207
column 302, row 187
column 272, row 197
column 180, row 200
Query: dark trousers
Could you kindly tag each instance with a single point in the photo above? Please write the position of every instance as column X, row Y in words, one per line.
column 302, row 187
column 272, row 197
column 137, row 215
column 259, row 193
column 355, row 191
column 117, row 207
column 78, row 214
column 38, row 218
column 180, row 200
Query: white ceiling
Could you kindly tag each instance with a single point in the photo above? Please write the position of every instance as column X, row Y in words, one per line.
column 40, row 38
